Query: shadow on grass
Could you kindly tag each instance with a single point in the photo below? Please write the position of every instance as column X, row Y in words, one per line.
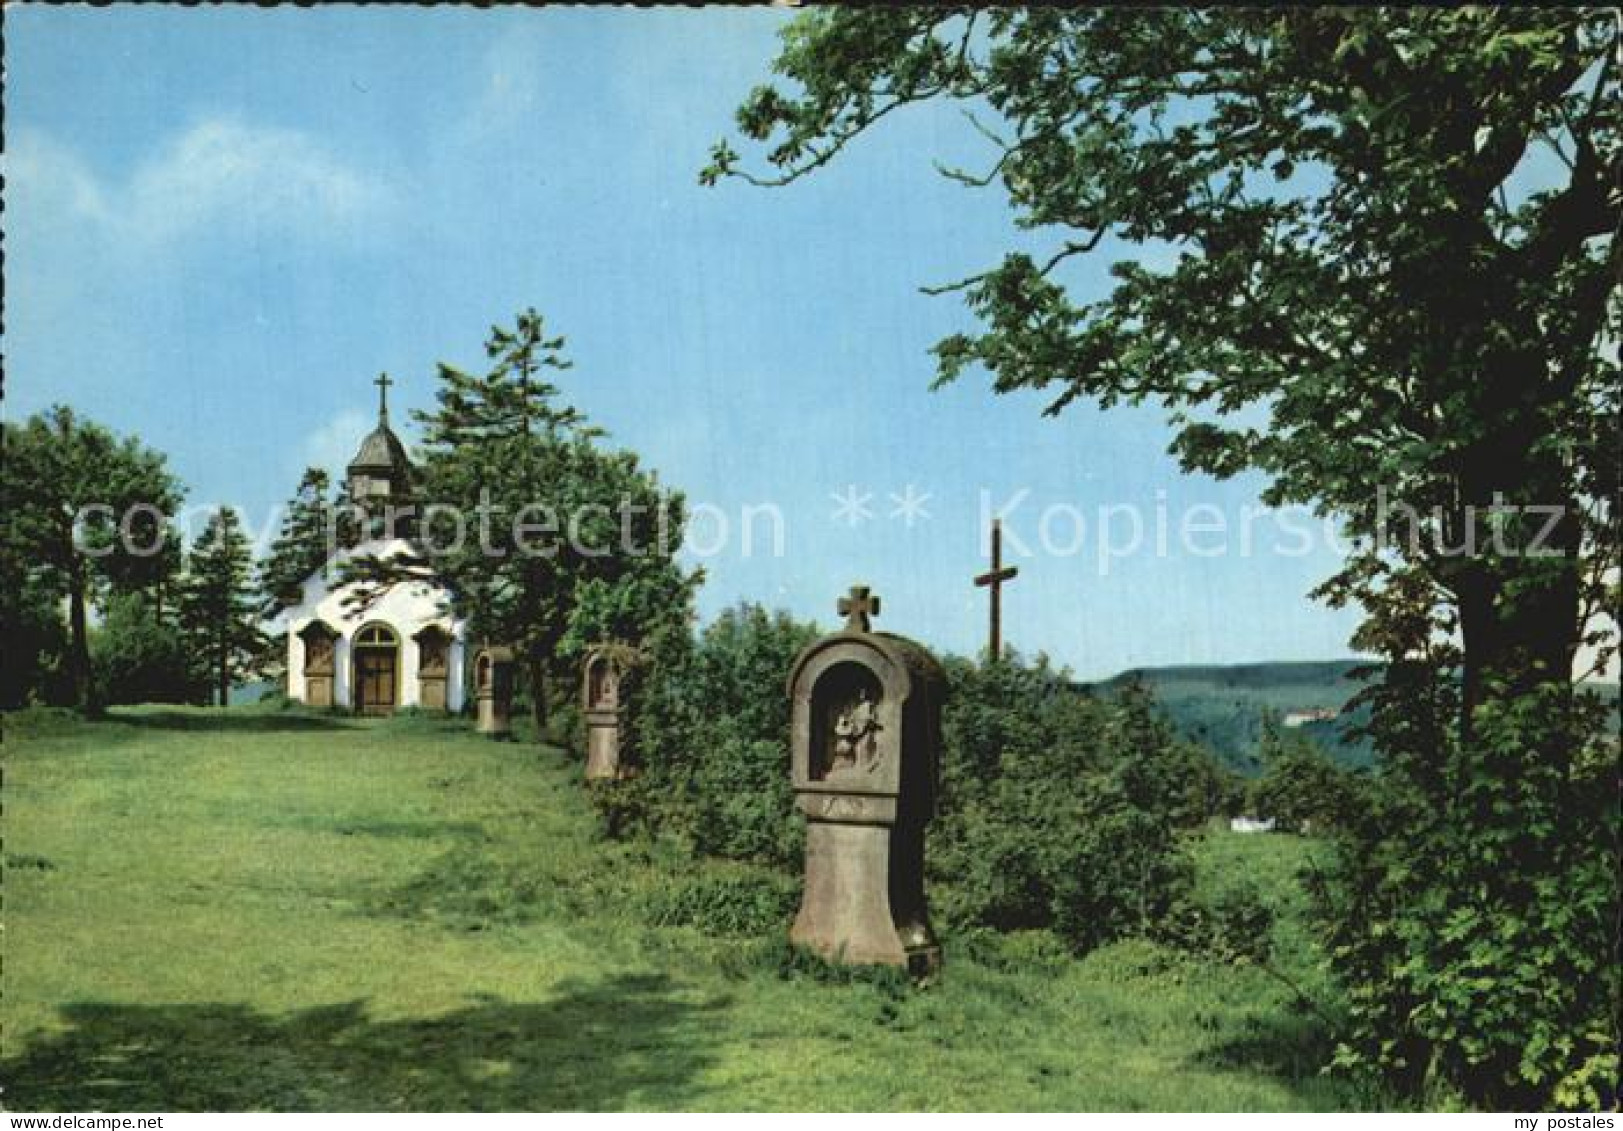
column 624, row 1042
column 242, row 722
column 1293, row 1047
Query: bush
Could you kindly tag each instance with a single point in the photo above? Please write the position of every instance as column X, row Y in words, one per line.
column 744, row 807
column 1300, row 787
column 1472, row 907
column 1233, row 925
column 33, row 661
column 712, row 739
column 624, row 806
column 1060, row 811
column 137, row 656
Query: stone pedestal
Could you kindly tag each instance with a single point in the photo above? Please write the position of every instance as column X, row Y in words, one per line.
column 604, row 676
column 493, row 691
column 864, row 752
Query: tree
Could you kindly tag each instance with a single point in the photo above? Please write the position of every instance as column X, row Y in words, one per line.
column 1300, row 787
column 32, row 663
column 1339, row 200
column 140, row 655
column 301, row 546
column 711, row 745
column 218, row 612
column 573, row 544
column 84, row 511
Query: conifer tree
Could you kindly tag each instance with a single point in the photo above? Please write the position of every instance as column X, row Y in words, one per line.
column 218, row 612
column 301, row 546
column 577, row 543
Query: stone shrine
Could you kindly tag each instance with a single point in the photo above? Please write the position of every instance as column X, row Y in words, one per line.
column 601, row 703
column 493, row 688
column 864, row 754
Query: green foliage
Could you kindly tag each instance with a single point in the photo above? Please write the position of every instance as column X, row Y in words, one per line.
column 745, row 904
column 309, row 533
column 626, row 807
column 1479, row 948
column 570, row 544
column 219, row 616
column 1235, row 925
column 1058, row 810
column 84, row 513
column 140, row 656
column 32, row 664
column 1433, row 344
column 1300, row 787
column 1061, row 811
column 714, row 740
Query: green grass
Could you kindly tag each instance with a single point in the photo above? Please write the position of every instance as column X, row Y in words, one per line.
column 260, row 910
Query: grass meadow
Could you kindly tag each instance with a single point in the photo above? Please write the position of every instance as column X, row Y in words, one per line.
column 258, row 909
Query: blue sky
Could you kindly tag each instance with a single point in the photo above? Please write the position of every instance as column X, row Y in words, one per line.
column 222, row 223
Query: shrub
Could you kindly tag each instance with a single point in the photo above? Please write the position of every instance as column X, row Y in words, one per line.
column 1471, row 913
column 1300, row 787
column 1060, row 811
column 625, row 806
column 138, row 656
column 712, row 738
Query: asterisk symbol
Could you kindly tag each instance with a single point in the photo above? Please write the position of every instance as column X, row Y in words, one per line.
column 852, row 506
column 910, row 505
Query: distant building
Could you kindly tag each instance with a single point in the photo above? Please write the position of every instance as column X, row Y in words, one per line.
column 402, row 651
column 1312, row 715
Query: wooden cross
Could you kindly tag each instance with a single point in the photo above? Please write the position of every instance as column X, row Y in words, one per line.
column 994, row 580
column 383, row 384
column 857, row 608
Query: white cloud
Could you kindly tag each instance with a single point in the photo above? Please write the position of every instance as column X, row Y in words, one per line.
column 218, row 175
column 511, row 92
column 332, row 445
column 45, row 176
column 223, row 172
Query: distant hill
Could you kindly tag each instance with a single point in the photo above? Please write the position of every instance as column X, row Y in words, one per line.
column 1222, row 706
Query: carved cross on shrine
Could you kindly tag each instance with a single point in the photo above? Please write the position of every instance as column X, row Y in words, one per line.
column 383, row 382
column 857, row 608
column 994, row 580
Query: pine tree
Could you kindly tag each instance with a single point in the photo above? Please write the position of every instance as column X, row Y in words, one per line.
column 301, row 546
column 551, row 571
column 218, row 613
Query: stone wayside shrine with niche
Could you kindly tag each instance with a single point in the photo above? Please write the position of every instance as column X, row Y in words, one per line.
column 603, row 707
column 865, row 731
column 493, row 691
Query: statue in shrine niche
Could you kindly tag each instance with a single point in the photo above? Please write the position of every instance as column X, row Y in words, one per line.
column 608, row 680
column 319, row 651
column 607, row 691
column 855, row 729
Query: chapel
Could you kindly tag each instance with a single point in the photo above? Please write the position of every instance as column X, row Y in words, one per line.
column 404, row 649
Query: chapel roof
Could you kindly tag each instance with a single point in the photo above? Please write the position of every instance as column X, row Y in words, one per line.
column 382, row 449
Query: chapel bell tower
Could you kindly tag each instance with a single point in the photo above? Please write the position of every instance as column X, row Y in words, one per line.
column 380, row 470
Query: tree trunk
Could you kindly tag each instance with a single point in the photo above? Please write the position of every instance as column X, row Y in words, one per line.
column 1518, row 597
column 538, row 693
column 79, row 642
column 225, row 674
